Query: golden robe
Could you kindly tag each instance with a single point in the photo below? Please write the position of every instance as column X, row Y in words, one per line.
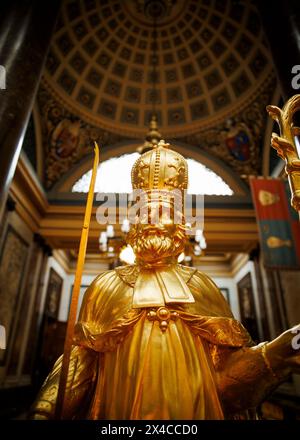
column 126, row 365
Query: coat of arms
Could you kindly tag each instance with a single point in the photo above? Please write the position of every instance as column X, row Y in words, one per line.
column 65, row 138
column 238, row 141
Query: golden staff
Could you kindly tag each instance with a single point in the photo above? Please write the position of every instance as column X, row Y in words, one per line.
column 61, row 398
column 286, row 144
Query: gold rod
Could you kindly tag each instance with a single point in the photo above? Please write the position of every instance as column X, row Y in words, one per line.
column 61, row 395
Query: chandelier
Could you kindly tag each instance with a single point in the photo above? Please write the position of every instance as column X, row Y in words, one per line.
column 114, row 247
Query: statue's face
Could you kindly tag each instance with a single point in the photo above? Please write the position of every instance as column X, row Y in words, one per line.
column 155, row 242
column 159, row 214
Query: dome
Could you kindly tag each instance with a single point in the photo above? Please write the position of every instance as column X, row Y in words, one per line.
column 210, row 57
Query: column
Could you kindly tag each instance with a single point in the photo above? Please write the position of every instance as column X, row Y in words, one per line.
column 25, row 31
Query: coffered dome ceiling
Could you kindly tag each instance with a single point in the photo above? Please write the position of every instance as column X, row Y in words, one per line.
column 210, row 58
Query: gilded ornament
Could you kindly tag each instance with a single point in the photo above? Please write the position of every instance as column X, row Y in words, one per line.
column 287, row 144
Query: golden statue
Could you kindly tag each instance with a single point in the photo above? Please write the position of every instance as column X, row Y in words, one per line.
column 157, row 340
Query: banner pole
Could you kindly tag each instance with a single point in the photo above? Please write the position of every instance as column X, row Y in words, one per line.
column 61, row 394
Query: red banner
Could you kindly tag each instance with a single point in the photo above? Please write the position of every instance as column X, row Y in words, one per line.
column 279, row 226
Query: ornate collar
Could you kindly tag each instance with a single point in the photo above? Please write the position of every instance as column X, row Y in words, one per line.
column 158, row 286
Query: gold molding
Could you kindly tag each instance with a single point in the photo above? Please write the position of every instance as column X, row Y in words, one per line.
column 62, row 257
column 231, row 230
column 238, row 262
column 30, row 198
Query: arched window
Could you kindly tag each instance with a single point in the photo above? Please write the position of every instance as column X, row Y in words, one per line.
column 114, row 177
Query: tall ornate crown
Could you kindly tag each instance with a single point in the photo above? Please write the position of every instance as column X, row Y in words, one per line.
column 160, row 169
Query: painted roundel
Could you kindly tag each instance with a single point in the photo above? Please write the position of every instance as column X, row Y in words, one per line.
column 209, row 57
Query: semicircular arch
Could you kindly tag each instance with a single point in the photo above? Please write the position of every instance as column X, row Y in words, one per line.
column 65, row 184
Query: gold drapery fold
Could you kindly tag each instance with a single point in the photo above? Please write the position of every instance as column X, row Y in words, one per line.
column 151, row 375
column 216, row 330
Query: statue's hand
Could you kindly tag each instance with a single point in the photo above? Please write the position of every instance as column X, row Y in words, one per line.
column 284, row 351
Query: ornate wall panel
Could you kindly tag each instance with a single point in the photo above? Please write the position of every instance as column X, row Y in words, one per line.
column 12, row 264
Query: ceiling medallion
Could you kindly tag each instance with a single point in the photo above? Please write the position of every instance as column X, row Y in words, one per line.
column 162, row 11
column 157, row 9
